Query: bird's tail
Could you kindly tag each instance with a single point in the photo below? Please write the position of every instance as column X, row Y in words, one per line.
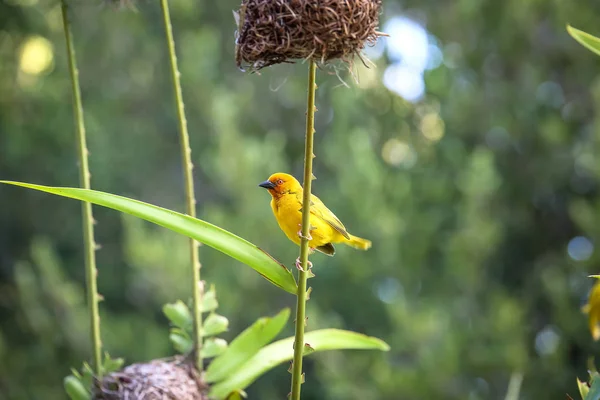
column 359, row 243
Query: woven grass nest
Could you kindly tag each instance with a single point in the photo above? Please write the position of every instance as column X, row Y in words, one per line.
column 277, row 31
column 174, row 379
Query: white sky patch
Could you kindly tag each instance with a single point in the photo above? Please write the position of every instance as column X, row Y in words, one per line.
column 408, row 43
column 412, row 50
column 404, row 81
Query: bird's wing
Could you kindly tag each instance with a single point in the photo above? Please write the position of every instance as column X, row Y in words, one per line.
column 320, row 210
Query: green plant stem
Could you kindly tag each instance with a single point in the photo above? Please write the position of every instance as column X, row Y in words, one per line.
column 186, row 156
column 84, row 178
column 303, row 275
column 514, row 386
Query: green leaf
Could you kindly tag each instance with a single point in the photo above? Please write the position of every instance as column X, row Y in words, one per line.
column 87, row 375
column 246, row 345
column 209, row 300
column 213, row 347
column 182, row 332
column 584, row 389
column 202, row 231
column 181, row 343
column 587, row 40
column 237, row 395
column 179, row 314
column 214, row 325
column 75, row 389
column 111, row 364
column 281, row 351
column 76, row 374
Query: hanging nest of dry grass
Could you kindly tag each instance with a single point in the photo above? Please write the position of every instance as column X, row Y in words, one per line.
column 174, row 379
column 277, row 31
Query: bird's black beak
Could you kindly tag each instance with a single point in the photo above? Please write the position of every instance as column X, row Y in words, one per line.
column 267, row 185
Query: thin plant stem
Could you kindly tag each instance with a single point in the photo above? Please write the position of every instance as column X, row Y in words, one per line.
column 303, row 274
column 514, row 386
column 84, row 177
column 188, row 167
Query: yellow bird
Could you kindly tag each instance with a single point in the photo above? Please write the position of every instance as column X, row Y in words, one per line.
column 326, row 228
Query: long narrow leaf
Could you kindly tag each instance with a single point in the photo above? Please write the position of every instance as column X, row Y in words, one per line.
column 587, row 40
column 202, row 231
column 281, row 351
column 246, row 345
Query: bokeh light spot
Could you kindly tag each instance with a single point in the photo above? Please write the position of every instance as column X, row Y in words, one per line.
column 432, row 127
column 497, row 138
column 436, row 57
column 404, row 81
column 389, row 290
column 580, row 248
column 551, row 94
column 407, row 42
column 397, row 153
column 37, row 55
column 546, row 341
column 412, row 50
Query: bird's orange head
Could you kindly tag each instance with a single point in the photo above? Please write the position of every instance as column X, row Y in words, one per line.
column 280, row 183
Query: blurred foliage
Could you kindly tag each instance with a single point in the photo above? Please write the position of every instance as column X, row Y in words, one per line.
column 481, row 198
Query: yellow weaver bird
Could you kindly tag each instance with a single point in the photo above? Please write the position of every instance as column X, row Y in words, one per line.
column 325, row 227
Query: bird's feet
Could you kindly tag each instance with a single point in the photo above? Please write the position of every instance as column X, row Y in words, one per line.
column 307, row 237
column 299, row 264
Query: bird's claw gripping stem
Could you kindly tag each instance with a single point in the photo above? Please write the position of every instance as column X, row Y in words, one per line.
column 299, row 264
column 307, row 237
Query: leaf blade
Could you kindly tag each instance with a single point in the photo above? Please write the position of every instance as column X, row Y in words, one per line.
column 280, row 351
column 75, row 389
column 214, row 325
column 211, row 235
column 591, row 42
column 178, row 314
column 246, row 345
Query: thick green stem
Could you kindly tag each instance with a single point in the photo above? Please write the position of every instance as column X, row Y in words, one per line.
column 186, row 157
column 84, row 178
column 303, row 275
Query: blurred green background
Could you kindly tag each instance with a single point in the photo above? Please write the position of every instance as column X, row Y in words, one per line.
column 467, row 156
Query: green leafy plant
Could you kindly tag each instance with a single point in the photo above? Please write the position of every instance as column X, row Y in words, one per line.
column 282, row 350
column 182, row 330
column 78, row 385
column 250, row 355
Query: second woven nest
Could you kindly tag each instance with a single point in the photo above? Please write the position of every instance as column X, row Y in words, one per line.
column 276, row 31
column 173, row 379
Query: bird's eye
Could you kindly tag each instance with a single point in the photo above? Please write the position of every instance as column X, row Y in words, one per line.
column 280, row 181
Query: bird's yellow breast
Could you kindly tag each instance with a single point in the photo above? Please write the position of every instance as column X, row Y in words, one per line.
column 288, row 212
